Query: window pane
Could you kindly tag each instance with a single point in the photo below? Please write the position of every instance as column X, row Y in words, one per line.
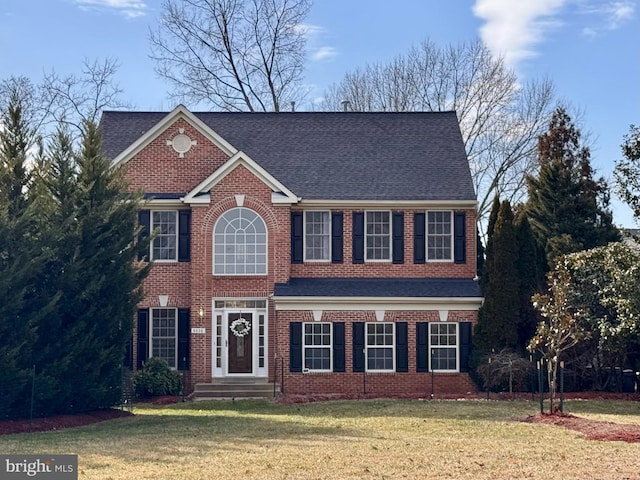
column 439, row 235
column 240, row 234
column 163, row 245
column 443, row 340
column 317, row 345
column 378, row 236
column 317, row 238
column 163, row 334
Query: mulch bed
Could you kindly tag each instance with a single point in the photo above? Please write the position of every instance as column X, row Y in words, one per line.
column 57, row 422
column 591, row 429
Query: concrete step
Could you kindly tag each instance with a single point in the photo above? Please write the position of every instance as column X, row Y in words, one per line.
column 241, row 389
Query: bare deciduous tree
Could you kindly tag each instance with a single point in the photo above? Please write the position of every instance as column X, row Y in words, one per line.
column 74, row 99
column 500, row 117
column 232, row 54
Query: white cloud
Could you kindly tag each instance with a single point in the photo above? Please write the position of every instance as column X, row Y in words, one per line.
column 610, row 15
column 323, row 53
column 512, row 29
column 128, row 8
column 310, row 30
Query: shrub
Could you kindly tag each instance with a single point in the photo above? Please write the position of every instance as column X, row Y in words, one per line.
column 505, row 370
column 156, row 378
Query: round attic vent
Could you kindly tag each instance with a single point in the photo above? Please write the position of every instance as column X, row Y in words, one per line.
column 181, row 143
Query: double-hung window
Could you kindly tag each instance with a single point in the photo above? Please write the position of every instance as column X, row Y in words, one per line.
column 380, row 347
column 439, row 236
column 443, row 345
column 317, row 235
column 164, row 244
column 164, row 334
column 378, row 235
column 317, row 346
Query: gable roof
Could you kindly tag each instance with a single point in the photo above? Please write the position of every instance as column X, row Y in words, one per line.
column 333, row 155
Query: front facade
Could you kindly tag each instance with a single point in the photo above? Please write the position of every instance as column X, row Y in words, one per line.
column 329, row 253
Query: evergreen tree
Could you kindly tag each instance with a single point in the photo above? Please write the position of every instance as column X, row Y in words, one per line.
column 531, row 272
column 102, row 278
column 567, row 208
column 498, row 318
column 55, row 185
column 488, row 251
column 22, row 258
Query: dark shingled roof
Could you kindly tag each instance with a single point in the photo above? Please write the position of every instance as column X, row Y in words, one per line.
column 378, row 287
column 334, row 155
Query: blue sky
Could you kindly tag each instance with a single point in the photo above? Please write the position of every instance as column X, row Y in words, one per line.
column 589, row 48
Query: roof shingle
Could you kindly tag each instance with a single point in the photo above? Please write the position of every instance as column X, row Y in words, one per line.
column 334, row 155
column 379, row 287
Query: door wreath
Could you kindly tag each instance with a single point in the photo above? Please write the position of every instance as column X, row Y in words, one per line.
column 240, row 327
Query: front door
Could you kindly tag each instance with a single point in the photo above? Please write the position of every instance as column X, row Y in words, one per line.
column 240, row 349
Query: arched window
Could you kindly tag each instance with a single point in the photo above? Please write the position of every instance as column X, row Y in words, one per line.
column 240, row 243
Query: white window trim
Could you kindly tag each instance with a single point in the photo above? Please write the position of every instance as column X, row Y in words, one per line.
column 151, row 337
column 266, row 246
column 305, row 346
column 164, row 260
column 367, row 347
column 304, row 238
column 457, row 369
column 379, row 260
column 426, row 237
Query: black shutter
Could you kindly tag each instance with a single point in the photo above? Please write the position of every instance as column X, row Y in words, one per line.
column 144, row 220
column 358, row 346
column 296, row 237
column 422, row 347
column 184, row 235
column 143, row 337
column 402, row 347
column 338, row 347
column 183, row 338
column 295, row 347
column 398, row 237
column 459, row 238
column 128, row 354
column 419, row 240
column 465, row 345
column 358, row 237
column 336, row 237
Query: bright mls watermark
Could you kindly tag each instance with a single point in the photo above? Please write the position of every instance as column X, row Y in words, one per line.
column 51, row 467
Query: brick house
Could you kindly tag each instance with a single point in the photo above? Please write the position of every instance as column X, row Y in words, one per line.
column 323, row 252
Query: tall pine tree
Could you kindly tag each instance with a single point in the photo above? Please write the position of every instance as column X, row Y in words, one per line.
column 499, row 316
column 567, row 208
column 22, row 259
column 95, row 273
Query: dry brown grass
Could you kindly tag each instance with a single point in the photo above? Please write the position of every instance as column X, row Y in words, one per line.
column 342, row 440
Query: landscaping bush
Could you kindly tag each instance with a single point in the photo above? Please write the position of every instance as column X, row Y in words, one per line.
column 156, row 378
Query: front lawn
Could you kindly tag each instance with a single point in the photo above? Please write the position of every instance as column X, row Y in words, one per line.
column 370, row 439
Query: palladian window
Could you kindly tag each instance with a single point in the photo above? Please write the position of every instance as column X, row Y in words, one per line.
column 240, row 243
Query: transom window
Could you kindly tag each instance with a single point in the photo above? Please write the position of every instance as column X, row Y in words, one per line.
column 317, row 235
column 316, row 346
column 240, row 243
column 163, row 245
column 164, row 334
column 439, row 235
column 378, row 235
column 443, row 345
column 379, row 351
